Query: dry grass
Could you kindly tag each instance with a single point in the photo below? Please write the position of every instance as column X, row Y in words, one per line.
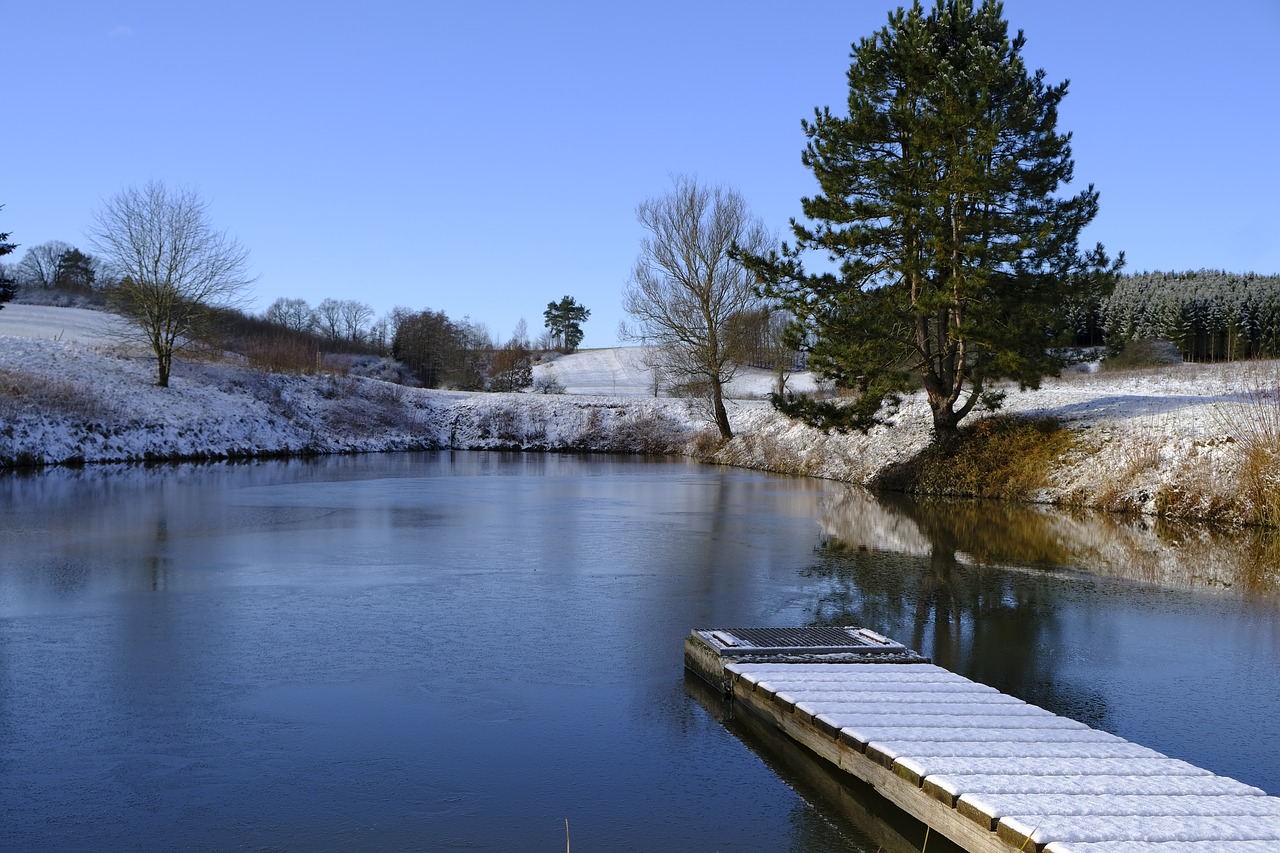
column 705, row 443
column 24, row 393
column 1254, row 425
column 1004, row 457
column 283, row 355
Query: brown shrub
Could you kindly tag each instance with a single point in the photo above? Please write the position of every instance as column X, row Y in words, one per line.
column 283, row 354
column 998, row 457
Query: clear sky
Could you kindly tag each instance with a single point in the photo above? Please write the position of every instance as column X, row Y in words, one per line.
column 485, row 158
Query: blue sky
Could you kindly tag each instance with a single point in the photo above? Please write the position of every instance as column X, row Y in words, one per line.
column 486, row 158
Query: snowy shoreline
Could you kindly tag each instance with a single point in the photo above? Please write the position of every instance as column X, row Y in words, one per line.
column 71, row 392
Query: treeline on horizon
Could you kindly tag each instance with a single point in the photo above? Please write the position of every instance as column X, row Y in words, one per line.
column 1210, row 315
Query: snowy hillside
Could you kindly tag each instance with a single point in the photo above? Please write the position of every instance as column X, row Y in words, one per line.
column 624, row 372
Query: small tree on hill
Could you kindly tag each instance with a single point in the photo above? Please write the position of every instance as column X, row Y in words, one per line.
column 939, row 204
column 564, row 320
column 172, row 264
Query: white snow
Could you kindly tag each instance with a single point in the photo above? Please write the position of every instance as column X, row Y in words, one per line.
column 1097, row 785
column 625, row 372
column 1220, row 805
column 64, row 324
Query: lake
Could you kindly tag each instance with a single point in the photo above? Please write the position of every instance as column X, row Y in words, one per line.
column 466, row 650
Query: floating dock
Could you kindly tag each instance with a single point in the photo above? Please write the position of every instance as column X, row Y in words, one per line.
column 989, row 771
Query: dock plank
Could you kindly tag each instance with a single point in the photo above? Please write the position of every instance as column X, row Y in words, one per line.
column 1223, row 805
column 1069, row 829
column 1098, row 784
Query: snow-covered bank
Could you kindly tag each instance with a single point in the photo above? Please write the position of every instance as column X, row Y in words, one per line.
column 70, row 402
column 1165, row 441
column 71, row 391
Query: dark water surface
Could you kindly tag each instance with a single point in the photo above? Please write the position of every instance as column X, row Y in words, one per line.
column 462, row 651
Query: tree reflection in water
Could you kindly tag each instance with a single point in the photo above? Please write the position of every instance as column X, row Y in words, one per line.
column 941, row 584
column 1109, row 620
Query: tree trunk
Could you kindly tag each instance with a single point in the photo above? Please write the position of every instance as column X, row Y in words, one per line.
column 717, row 403
column 946, row 426
column 164, row 362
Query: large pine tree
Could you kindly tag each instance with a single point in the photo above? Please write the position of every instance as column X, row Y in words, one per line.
column 952, row 250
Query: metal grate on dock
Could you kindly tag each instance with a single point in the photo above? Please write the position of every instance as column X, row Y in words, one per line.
column 845, row 643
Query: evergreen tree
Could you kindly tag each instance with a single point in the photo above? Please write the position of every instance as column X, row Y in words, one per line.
column 564, row 320
column 953, row 253
column 74, row 271
column 8, row 287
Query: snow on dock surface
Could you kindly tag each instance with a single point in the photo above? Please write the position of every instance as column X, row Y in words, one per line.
column 1013, row 769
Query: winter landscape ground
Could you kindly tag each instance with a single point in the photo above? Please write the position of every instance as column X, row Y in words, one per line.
column 75, row 389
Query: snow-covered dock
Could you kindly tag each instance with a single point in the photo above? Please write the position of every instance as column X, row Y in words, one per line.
column 989, row 771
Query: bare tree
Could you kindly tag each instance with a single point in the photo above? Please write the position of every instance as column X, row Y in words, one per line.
column 293, row 314
column 511, row 368
column 173, row 266
column 686, row 290
column 356, row 317
column 343, row 319
column 39, row 265
column 328, row 318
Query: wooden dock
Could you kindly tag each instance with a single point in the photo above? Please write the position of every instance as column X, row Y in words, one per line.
column 989, row 771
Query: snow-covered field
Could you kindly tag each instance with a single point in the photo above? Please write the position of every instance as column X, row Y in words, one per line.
column 61, row 324
column 71, row 389
column 623, row 372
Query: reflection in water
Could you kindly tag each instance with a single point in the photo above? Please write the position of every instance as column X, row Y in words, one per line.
column 988, row 625
column 1044, row 606
column 845, row 798
column 1186, row 555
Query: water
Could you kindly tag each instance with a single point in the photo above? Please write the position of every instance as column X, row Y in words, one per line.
column 463, row 651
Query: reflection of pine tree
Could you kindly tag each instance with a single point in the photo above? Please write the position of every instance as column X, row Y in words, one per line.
column 995, row 626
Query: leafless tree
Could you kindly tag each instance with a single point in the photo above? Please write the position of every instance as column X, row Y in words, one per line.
column 686, row 290
column 343, row 319
column 39, row 265
column 293, row 314
column 328, row 317
column 173, row 266
column 356, row 317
